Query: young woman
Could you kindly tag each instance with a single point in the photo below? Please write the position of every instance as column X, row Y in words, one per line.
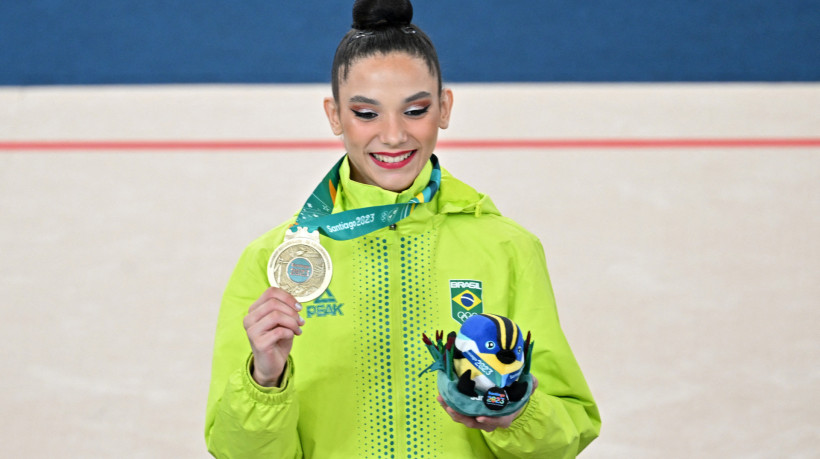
column 413, row 250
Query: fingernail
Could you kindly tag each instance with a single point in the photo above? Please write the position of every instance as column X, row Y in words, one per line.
column 298, row 306
column 301, row 320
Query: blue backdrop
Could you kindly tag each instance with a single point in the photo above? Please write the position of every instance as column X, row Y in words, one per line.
column 255, row 41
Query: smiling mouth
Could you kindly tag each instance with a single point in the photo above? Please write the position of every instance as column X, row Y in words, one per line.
column 393, row 158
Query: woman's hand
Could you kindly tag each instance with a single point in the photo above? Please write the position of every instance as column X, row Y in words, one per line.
column 485, row 423
column 272, row 322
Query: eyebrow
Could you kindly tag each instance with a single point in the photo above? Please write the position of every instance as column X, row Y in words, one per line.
column 364, row 100
column 367, row 100
column 417, row 96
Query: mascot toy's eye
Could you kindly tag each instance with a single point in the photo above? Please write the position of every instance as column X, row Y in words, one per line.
column 484, row 368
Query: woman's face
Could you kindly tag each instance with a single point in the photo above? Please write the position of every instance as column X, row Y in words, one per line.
column 388, row 114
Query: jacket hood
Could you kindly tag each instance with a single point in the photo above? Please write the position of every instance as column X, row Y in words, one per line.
column 456, row 197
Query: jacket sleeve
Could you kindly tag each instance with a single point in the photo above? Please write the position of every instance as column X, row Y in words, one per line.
column 561, row 417
column 242, row 418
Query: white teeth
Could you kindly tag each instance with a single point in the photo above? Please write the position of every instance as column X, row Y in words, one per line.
column 392, row 159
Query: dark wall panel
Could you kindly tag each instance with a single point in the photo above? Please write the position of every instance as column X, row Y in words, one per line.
column 254, row 41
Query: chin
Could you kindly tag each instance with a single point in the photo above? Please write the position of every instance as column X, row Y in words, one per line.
column 396, row 185
column 397, row 180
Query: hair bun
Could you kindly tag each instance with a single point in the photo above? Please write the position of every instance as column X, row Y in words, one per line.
column 377, row 14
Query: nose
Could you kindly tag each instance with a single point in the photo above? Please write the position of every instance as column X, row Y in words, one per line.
column 393, row 133
column 506, row 356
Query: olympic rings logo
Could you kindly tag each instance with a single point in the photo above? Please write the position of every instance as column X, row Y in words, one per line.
column 464, row 315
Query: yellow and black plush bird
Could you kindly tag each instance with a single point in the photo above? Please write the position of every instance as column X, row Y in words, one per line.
column 489, row 352
column 484, row 368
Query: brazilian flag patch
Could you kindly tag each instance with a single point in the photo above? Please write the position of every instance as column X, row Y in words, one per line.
column 466, row 300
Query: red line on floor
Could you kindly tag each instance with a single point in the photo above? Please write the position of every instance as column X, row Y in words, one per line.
column 166, row 145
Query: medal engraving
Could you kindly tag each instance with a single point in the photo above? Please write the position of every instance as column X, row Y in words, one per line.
column 300, row 266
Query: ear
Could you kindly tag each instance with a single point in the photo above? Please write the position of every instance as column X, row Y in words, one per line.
column 446, row 108
column 332, row 112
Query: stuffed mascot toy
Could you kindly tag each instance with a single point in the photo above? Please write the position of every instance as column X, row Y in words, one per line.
column 484, row 369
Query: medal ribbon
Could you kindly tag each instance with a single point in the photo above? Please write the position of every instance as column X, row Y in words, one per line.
column 350, row 224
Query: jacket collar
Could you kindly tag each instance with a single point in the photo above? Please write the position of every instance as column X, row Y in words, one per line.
column 454, row 196
column 354, row 195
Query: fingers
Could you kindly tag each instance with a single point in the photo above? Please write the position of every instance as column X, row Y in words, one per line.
column 269, row 340
column 488, row 424
column 271, row 324
column 278, row 295
column 274, row 308
column 272, row 315
column 503, row 422
column 485, row 423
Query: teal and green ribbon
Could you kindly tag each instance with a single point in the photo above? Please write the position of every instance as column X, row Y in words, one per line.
column 317, row 213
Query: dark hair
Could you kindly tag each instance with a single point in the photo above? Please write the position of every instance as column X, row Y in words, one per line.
column 382, row 27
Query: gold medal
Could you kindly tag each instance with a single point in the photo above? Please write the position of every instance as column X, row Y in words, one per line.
column 300, row 266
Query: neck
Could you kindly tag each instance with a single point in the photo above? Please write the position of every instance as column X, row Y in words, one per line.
column 358, row 194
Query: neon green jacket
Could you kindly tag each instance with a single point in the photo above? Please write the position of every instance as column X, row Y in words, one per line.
column 352, row 387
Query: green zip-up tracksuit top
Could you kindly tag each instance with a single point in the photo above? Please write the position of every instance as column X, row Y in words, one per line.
column 352, row 387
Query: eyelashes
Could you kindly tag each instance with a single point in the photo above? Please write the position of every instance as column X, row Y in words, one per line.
column 367, row 114
column 418, row 111
column 364, row 114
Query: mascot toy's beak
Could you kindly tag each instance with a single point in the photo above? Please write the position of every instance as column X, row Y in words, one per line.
column 506, row 356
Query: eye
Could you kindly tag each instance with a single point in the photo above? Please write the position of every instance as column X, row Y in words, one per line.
column 416, row 112
column 519, row 349
column 364, row 114
column 490, row 345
